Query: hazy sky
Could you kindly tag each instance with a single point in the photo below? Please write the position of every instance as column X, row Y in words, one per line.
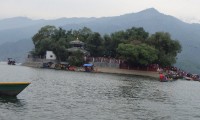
column 51, row 9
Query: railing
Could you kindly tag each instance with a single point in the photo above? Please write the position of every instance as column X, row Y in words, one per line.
column 39, row 60
column 103, row 59
column 104, row 62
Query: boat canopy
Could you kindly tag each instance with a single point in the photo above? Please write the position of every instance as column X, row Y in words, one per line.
column 88, row 65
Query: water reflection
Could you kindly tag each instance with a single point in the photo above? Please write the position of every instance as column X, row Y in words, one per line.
column 8, row 99
column 12, row 108
column 11, row 101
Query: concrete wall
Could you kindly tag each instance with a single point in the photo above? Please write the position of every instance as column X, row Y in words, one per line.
column 50, row 55
column 36, row 62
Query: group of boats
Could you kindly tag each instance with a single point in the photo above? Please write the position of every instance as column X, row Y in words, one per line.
column 66, row 66
column 172, row 77
column 167, row 78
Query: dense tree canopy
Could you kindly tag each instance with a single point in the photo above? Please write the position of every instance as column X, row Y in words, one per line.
column 168, row 48
column 134, row 45
column 44, row 33
column 94, row 44
column 142, row 54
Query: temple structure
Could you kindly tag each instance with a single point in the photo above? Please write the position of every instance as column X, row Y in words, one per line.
column 77, row 45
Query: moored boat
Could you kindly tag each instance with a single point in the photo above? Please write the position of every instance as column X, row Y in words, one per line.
column 167, row 78
column 12, row 88
column 88, row 67
column 11, row 62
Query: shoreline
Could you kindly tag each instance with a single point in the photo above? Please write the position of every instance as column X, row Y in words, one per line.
column 107, row 70
column 129, row 72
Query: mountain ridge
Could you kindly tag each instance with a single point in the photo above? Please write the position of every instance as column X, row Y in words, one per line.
column 150, row 19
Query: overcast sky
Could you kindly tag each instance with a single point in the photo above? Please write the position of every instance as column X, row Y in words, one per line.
column 51, row 9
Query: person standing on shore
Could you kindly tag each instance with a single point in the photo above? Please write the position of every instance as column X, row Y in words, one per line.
column 162, row 76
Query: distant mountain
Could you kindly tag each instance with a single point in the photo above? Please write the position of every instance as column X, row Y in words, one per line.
column 190, row 20
column 16, row 50
column 150, row 19
column 18, row 28
column 17, row 22
column 153, row 21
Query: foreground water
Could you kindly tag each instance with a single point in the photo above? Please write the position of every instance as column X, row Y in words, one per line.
column 64, row 95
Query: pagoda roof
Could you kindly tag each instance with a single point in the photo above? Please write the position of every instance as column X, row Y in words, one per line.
column 73, row 49
column 77, row 41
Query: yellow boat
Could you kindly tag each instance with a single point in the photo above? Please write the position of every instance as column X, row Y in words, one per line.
column 12, row 88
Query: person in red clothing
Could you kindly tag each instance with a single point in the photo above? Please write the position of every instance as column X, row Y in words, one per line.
column 162, row 76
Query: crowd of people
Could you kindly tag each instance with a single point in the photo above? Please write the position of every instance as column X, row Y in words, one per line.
column 173, row 73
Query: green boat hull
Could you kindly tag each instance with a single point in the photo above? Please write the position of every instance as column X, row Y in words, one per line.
column 12, row 89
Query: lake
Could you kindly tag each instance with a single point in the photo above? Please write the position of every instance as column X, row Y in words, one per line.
column 65, row 95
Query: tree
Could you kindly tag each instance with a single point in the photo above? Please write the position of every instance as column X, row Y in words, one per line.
column 137, row 55
column 127, row 52
column 108, row 46
column 50, row 38
column 94, row 44
column 129, row 36
column 146, row 54
column 43, row 33
column 59, row 44
column 42, row 40
column 133, row 45
column 42, row 46
column 84, row 33
column 136, row 34
column 58, row 34
column 168, row 48
column 76, row 59
column 60, row 49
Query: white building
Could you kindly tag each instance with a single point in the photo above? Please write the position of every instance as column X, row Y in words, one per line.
column 50, row 55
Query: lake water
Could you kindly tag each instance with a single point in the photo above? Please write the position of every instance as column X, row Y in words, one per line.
column 65, row 95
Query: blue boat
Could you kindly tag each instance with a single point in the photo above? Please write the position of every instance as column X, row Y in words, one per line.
column 88, row 67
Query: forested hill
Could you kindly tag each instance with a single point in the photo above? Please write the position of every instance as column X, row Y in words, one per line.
column 150, row 19
column 16, row 50
column 18, row 28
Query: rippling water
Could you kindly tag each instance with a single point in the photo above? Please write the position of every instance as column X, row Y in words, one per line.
column 64, row 95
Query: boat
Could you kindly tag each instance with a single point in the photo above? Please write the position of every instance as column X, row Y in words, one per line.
column 11, row 62
column 88, row 67
column 187, row 78
column 192, row 77
column 12, row 88
column 167, row 78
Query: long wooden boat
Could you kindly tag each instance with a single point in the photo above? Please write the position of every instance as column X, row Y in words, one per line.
column 12, row 88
